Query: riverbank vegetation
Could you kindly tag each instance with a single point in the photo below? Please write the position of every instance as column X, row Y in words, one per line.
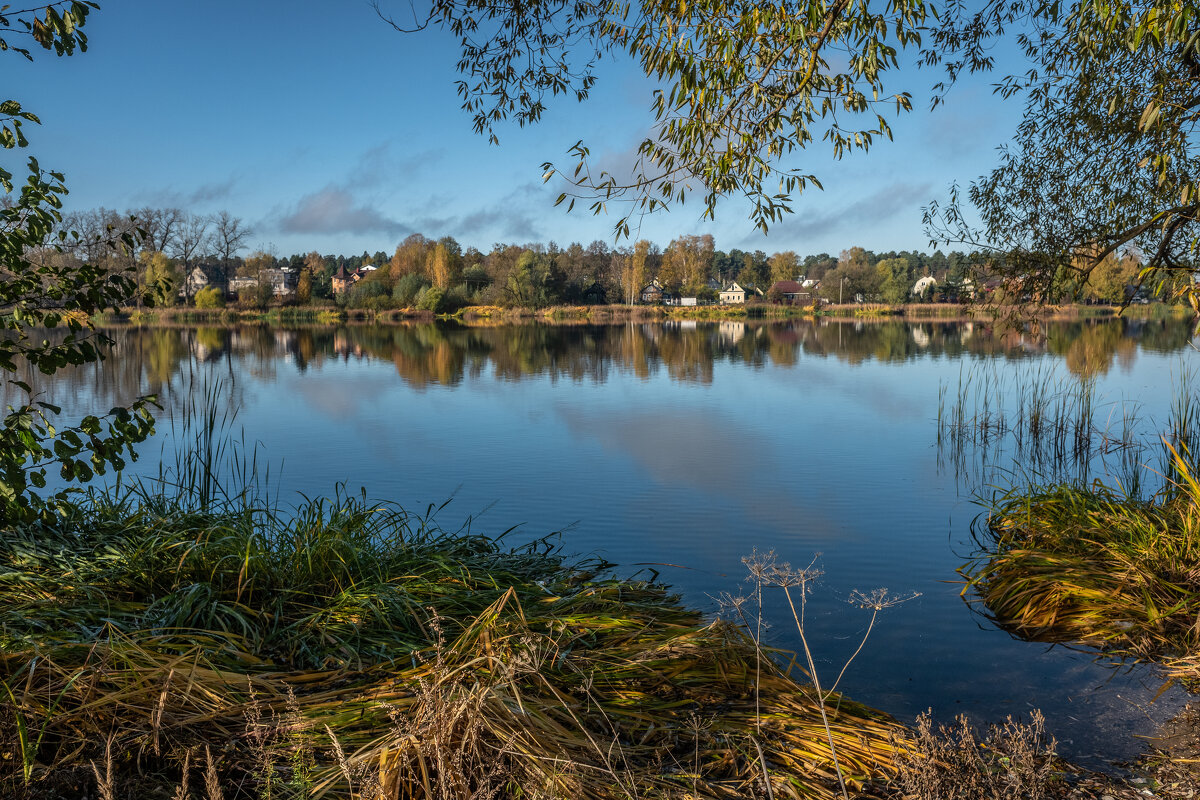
column 190, row 261
column 351, row 645
column 1097, row 541
column 1095, row 565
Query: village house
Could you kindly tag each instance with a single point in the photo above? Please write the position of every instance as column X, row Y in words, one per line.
column 282, row 281
column 652, row 293
column 343, row 280
column 202, row 276
column 924, row 287
column 790, row 292
column 733, row 295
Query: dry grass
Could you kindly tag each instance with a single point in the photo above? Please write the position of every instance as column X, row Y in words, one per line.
column 1092, row 565
column 356, row 651
column 1013, row 761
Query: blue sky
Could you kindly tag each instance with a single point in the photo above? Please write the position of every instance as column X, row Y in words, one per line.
column 325, row 129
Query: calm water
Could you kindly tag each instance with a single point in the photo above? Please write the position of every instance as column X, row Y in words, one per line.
column 692, row 445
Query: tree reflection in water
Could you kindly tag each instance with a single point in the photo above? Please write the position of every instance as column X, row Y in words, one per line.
column 163, row 359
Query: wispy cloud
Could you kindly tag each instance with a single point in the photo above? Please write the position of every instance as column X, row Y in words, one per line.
column 879, row 206
column 335, row 210
column 380, row 165
column 340, row 207
column 202, row 195
column 513, row 216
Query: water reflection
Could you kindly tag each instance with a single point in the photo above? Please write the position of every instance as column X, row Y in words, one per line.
column 692, row 444
column 154, row 359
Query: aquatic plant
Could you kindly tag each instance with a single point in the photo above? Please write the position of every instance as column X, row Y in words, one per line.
column 1091, row 564
column 1059, row 429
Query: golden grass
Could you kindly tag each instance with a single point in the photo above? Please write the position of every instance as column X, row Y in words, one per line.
column 357, row 651
column 1095, row 566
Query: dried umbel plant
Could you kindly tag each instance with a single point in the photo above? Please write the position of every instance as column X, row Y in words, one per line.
column 796, row 583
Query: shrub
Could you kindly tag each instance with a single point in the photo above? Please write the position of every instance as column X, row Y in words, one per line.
column 363, row 291
column 210, row 297
column 407, row 288
column 432, row 299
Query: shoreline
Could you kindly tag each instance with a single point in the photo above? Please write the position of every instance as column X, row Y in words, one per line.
column 917, row 312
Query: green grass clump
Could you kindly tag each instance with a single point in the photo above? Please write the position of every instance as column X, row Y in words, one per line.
column 1093, row 565
column 351, row 649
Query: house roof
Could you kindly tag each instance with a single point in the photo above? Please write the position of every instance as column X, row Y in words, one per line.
column 733, row 287
column 787, row 287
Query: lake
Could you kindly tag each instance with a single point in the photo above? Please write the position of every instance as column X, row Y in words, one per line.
column 679, row 448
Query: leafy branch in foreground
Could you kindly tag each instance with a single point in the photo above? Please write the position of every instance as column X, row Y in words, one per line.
column 1104, row 161
column 41, row 291
column 743, row 87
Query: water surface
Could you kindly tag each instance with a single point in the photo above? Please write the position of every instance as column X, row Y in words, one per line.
column 681, row 448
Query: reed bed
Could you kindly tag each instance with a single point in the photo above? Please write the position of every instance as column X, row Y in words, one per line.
column 1057, row 428
column 353, row 650
column 1092, row 564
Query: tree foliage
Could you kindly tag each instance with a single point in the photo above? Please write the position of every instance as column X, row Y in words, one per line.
column 1104, row 161
column 49, row 293
column 161, row 278
column 744, row 87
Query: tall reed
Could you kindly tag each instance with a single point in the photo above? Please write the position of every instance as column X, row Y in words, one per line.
column 1094, row 565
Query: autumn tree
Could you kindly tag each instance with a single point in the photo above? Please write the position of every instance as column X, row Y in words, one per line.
column 854, row 276
column 191, row 239
column 304, row 286
column 439, row 267
column 256, row 262
column 894, row 279
column 411, row 256
column 1105, row 159
column 160, row 227
column 784, row 266
column 1113, row 279
column 161, row 278
column 229, row 235
column 527, row 282
column 638, row 266
column 671, row 270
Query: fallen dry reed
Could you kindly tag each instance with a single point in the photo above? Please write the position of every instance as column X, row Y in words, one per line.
column 356, row 650
column 1091, row 564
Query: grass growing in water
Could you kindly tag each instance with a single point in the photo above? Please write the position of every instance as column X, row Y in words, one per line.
column 351, row 649
column 1094, row 565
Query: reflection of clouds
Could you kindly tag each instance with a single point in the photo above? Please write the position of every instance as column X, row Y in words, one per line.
column 829, row 382
column 338, row 395
column 712, row 454
column 679, row 447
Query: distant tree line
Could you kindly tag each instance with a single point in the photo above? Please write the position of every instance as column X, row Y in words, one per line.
column 442, row 275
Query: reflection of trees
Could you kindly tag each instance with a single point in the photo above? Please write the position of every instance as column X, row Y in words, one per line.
column 1091, row 353
column 163, row 360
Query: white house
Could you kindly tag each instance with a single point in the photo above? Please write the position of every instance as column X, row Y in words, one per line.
column 923, row 286
column 733, row 294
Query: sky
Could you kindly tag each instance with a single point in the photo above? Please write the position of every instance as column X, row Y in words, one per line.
column 325, row 129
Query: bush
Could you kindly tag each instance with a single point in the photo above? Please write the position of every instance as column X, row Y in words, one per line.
column 458, row 297
column 210, row 297
column 364, row 291
column 407, row 288
column 432, row 299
